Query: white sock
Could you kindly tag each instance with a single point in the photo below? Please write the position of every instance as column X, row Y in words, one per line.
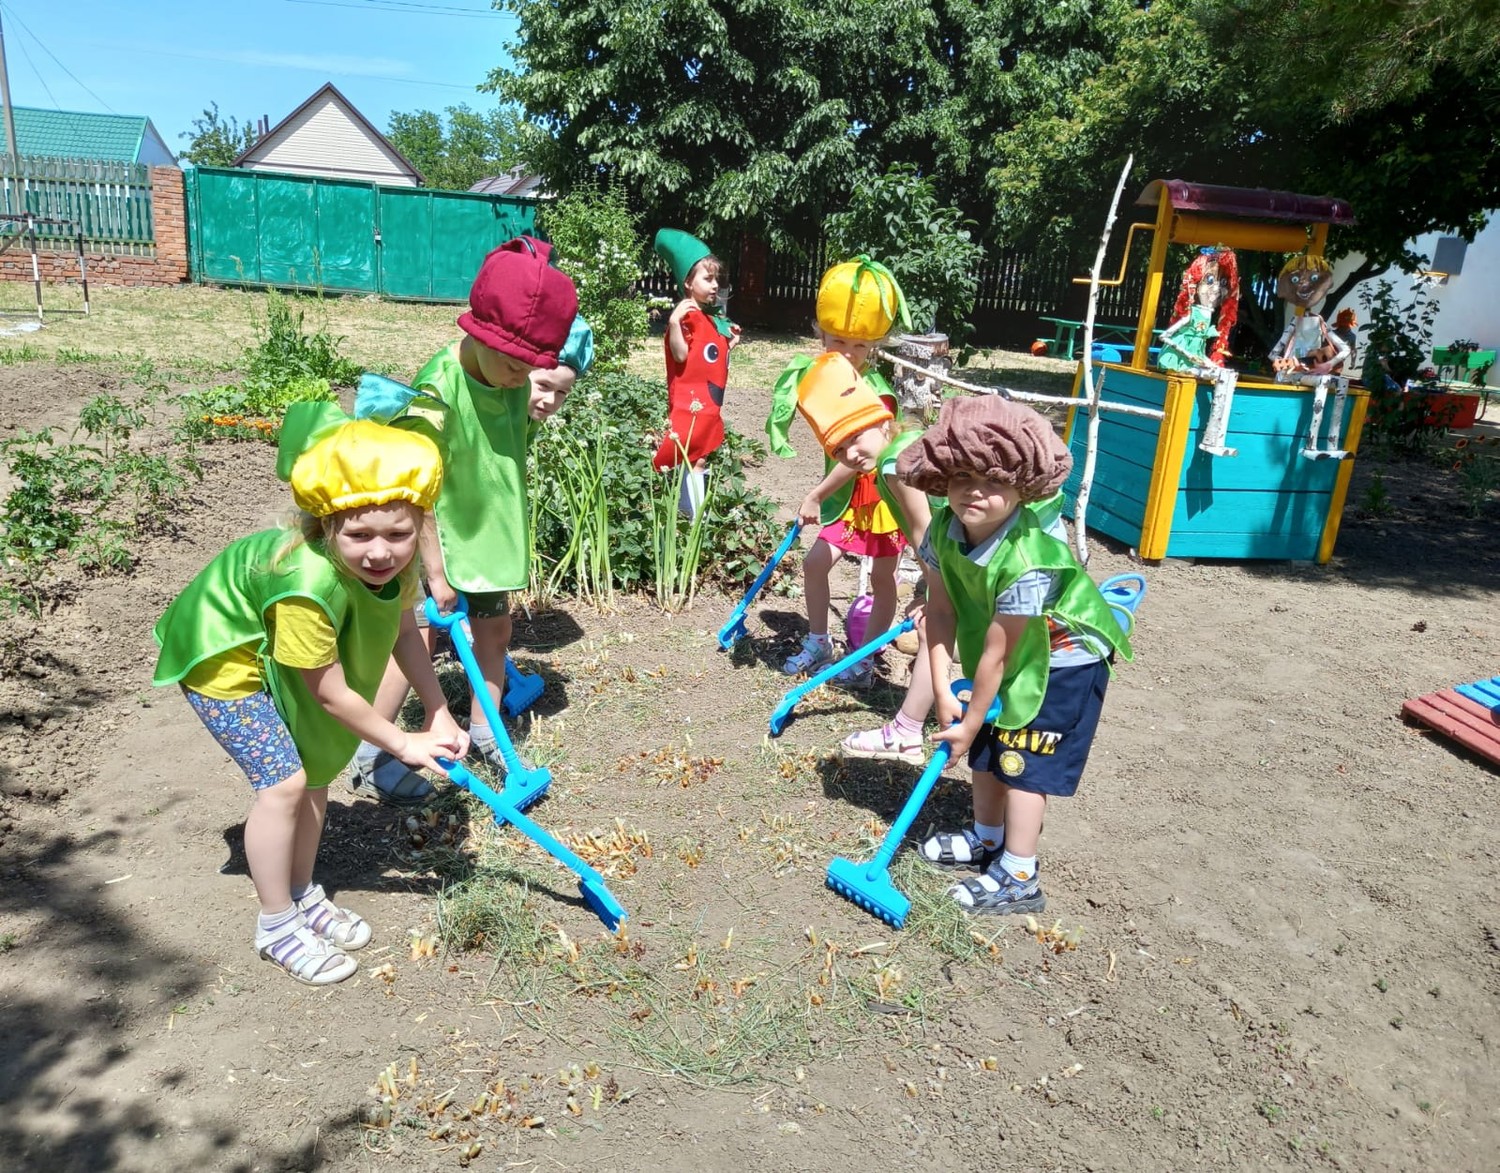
column 992, row 836
column 818, row 637
column 366, row 753
column 1021, row 867
column 298, row 894
column 690, row 496
column 275, row 922
column 480, row 730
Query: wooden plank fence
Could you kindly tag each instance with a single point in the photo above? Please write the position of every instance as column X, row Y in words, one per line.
column 108, row 201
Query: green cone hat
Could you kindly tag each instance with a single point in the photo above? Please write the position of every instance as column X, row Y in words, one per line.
column 681, row 252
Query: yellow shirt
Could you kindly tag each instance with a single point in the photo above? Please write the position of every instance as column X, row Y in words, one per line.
column 299, row 635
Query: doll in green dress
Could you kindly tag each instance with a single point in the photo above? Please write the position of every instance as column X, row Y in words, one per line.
column 1194, row 340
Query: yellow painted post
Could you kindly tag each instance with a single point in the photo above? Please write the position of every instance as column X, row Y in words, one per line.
column 1319, row 240
column 1073, row 411
column 1341, row 482
column 1152, row 293
column 1166, row 467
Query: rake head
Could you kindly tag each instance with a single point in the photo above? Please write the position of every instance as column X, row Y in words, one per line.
column 523, row 787
column 605, row 906
column 522, row 689
column 731, row 634
column 779, row 718
column 869, row 888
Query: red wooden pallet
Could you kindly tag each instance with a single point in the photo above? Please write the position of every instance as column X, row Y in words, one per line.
column 1474, row 726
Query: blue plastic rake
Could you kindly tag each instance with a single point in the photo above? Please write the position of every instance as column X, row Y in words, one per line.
column 590, row 883
column 789, row 702
column 523, row 784
column 734, row 630
column 869, row 885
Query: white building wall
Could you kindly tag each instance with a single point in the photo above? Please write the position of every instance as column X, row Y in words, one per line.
column 325, row 140
column 1468, row 305
column 154, row 152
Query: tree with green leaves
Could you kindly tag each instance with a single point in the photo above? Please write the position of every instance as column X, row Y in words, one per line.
column 1389, row 107
column 763, row 115
column 217, row 141
column 457, row 151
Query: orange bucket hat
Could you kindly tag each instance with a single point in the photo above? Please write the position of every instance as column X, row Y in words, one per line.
column 836, row 403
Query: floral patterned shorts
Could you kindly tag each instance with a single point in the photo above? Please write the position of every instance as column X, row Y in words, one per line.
column 250, row 731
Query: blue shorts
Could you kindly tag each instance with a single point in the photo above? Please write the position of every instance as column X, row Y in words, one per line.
column 250, row 731
column 1048, row 756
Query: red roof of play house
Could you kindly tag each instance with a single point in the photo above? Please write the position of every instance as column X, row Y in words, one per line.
column 1255, row 203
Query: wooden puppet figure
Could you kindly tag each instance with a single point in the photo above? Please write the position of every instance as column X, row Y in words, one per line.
column 1193, row 340
column 1308, row 347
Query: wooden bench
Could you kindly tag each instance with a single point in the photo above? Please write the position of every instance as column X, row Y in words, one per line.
column 1065, row 331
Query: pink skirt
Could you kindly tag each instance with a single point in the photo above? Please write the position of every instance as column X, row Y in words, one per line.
column 862, row 543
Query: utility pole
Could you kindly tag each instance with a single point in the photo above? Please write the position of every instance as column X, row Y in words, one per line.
column 13, row 168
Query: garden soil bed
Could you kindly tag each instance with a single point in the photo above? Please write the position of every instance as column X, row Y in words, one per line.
column 1290, row 941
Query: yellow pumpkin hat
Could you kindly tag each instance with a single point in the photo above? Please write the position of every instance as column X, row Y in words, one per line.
column 335, row 463
column 860, row 300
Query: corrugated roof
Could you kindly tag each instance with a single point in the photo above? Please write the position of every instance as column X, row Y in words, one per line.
column 70, row 134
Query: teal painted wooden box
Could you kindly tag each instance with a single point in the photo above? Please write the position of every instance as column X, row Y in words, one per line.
column 1156, row 490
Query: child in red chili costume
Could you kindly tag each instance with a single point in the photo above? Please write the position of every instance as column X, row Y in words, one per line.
column 697, row 351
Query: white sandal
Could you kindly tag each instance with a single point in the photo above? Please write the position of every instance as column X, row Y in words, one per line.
column 338, row 926
column 306, row 956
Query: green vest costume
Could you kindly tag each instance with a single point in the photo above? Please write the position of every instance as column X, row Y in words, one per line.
column 226, row 606
column 1079, row 607
column 482, row 513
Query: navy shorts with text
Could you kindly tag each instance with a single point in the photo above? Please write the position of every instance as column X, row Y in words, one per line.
column 1048, row 756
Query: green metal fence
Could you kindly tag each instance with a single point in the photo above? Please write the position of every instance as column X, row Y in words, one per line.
column 109, row 202
column 309, row 232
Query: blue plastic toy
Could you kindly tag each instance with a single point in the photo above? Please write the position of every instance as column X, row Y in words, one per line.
column 590, row 882
column 522, row 689
column 523, row 784
column 869, row 884
column 731, row 633
column 790, row 701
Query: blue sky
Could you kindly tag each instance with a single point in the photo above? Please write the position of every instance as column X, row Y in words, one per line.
column 168, row 59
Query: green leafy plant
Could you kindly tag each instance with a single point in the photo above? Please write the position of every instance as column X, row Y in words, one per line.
column 596, row 455
column 597, row 245
column 897, row 219
column 677, row 542
column 1399, row 338
column 1478, row 475
column 85, row 497
column 1377, row 500
column 288, row 364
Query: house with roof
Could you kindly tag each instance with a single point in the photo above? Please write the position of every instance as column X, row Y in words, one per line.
column 518, row 181
column 327, row 136
column 72, row 134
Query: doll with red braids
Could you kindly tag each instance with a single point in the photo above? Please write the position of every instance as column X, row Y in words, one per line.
column 1193, row 340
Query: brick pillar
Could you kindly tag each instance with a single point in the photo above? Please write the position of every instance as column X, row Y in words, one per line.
column 750, row 281
column 169, row 221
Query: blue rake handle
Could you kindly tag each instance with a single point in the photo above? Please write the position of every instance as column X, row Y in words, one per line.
column 792, row 698
column 731, row 632
column 590, row 882
column 523, row 784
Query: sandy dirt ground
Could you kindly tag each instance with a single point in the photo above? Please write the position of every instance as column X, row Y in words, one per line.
column 1290, row 942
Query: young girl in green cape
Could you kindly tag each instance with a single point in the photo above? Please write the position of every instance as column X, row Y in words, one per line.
column 279, row 645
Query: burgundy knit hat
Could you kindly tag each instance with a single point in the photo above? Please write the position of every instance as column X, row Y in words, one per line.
column 520, row 305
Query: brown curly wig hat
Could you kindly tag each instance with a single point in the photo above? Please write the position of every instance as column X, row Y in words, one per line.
column 989, row 437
